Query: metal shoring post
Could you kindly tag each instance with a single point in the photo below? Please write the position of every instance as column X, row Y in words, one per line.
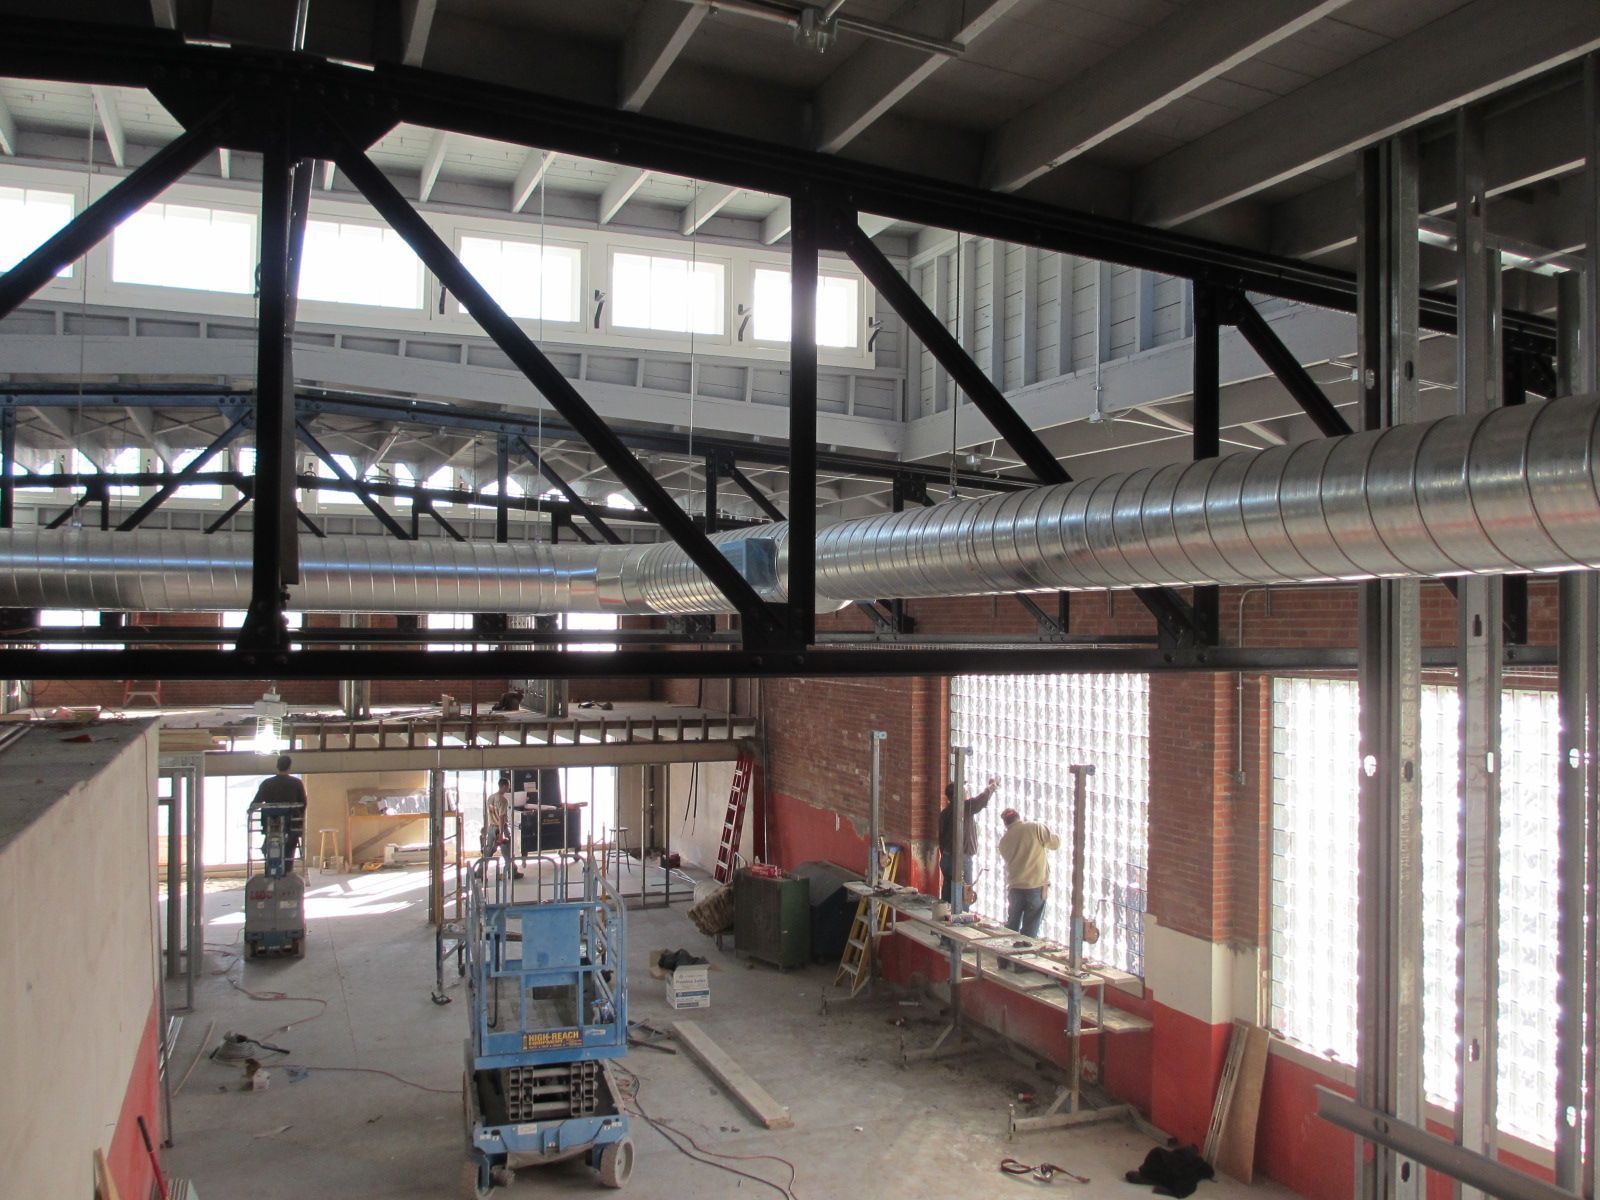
column 1389, row 924
column 1080, row 817
column 958, row 864
column 1480, row 648
column 174, row 879
column 875, row 740
column 197, row 876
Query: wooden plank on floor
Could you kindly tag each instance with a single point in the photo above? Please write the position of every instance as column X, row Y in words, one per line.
column 732, row 1076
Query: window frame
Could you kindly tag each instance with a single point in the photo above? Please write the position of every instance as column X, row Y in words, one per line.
column 826, row 269
column 356, row 312
column 462, row 230
column 667, row 337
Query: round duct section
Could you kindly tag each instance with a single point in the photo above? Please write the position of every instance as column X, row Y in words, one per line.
column 1516, row 490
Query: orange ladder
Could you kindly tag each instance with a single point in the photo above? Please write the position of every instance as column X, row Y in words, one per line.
column 733, row 822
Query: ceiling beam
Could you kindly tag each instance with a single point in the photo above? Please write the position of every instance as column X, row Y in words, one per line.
column 105, row 104
column 659, row 34
column 619, row 191
column 881, row 74
column 164, row 13
column 533, row 170
column 329, row 170
column 1525, row 143
column 1463, row 56
column 416, row 23
column 432, row 165
column 775, row 225
column 225, row 163
column 8, row 129
column 1196, row 44
column 707, row 203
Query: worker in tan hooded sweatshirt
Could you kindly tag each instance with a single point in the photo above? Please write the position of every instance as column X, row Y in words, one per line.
column 1025, row 847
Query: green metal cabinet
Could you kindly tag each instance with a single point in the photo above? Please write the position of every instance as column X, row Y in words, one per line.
column 772, row 919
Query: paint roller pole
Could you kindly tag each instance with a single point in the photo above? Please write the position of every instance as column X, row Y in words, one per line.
column 874, row 830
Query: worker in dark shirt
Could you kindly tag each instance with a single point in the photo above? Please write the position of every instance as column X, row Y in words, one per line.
column 969, row 835
column 283, row 788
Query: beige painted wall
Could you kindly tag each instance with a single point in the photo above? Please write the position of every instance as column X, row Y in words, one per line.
column 79, row 970
column 697, row 829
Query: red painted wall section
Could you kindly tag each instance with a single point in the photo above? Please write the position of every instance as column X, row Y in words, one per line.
column 1294, row 1145
column 126, row 1157
column 1186, row 1057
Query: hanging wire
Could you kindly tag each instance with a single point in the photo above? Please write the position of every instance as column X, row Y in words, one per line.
column 538, row 483
column 955, row 392
column 83, row 312
column 694, row 275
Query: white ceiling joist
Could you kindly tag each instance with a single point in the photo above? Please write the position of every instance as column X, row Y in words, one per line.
column 416, row 23
column 329, row 170
column 225, row 163
column 533, row 170
column 658, row 36
column 872, row 225
column 105, row 104
column 776, row 224
column 880, row 74
column 1461, row 57
column 1191, row 47
column 432, row 164
column 164, row 13
column 8, row 129
column 708, row 202
column 619, row 191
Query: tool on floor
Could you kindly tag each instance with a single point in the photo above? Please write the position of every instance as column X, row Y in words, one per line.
column 275, row 897
column 733, row 822
column 547, row 986
column 1043, row 1173
column 155, row 1162
column 871, row 920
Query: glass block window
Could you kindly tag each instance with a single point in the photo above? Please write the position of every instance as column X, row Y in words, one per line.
column 1314, row 815
column 1026, row 731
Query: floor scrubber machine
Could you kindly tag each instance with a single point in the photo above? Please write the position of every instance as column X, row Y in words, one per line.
column 275, row 896
column 549, row 1011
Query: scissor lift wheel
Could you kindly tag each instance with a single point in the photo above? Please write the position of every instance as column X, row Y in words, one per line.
column 616, row 1163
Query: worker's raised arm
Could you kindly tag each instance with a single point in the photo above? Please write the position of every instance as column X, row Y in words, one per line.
column 1051, row 841
column 978, row 803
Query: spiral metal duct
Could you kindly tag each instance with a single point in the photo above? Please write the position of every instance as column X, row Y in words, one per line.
column 1516, row 490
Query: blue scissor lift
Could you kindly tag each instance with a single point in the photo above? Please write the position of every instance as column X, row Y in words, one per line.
column 547, row 982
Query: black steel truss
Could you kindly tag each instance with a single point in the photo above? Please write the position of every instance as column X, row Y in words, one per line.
column 292, row 107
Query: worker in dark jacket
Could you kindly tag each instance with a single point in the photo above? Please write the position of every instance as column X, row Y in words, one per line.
column 969, row 835
column 283, row 788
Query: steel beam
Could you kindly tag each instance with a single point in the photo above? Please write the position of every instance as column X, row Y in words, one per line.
column 1389, row 672
column 186, row 473
column 762, row 500
column 355, row 485
column 1207, row 436
column 1280, row 360
column 8, row 462
column 561, row 485
column 74, row 239
column 805, row 237
column 930, row 330
column 759, row 624
column 57, row 50
column 1479, row 641
column 502, row 475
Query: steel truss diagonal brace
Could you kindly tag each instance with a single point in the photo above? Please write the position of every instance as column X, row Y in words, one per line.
column 760, row 624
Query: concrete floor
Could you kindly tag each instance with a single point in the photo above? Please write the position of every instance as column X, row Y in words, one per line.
column 862, row 1124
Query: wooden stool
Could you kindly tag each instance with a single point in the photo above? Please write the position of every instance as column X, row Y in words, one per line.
column 322, row 847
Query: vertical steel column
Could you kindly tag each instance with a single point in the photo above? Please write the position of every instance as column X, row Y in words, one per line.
column 874, row 812
column 1576, row 680
column 712, row 471
column 1389, row 988
column 8, row 464
column 1207, row 416
column 436, row 847
column 1480, row 649
column 803, row 240
column 958, row 830
column 275, row 535
column 1080, row 823
column 502, row 474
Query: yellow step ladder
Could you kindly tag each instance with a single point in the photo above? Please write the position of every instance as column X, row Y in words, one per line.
column 871, row 920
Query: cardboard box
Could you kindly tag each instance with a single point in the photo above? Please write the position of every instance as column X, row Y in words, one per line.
column 689, row 987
